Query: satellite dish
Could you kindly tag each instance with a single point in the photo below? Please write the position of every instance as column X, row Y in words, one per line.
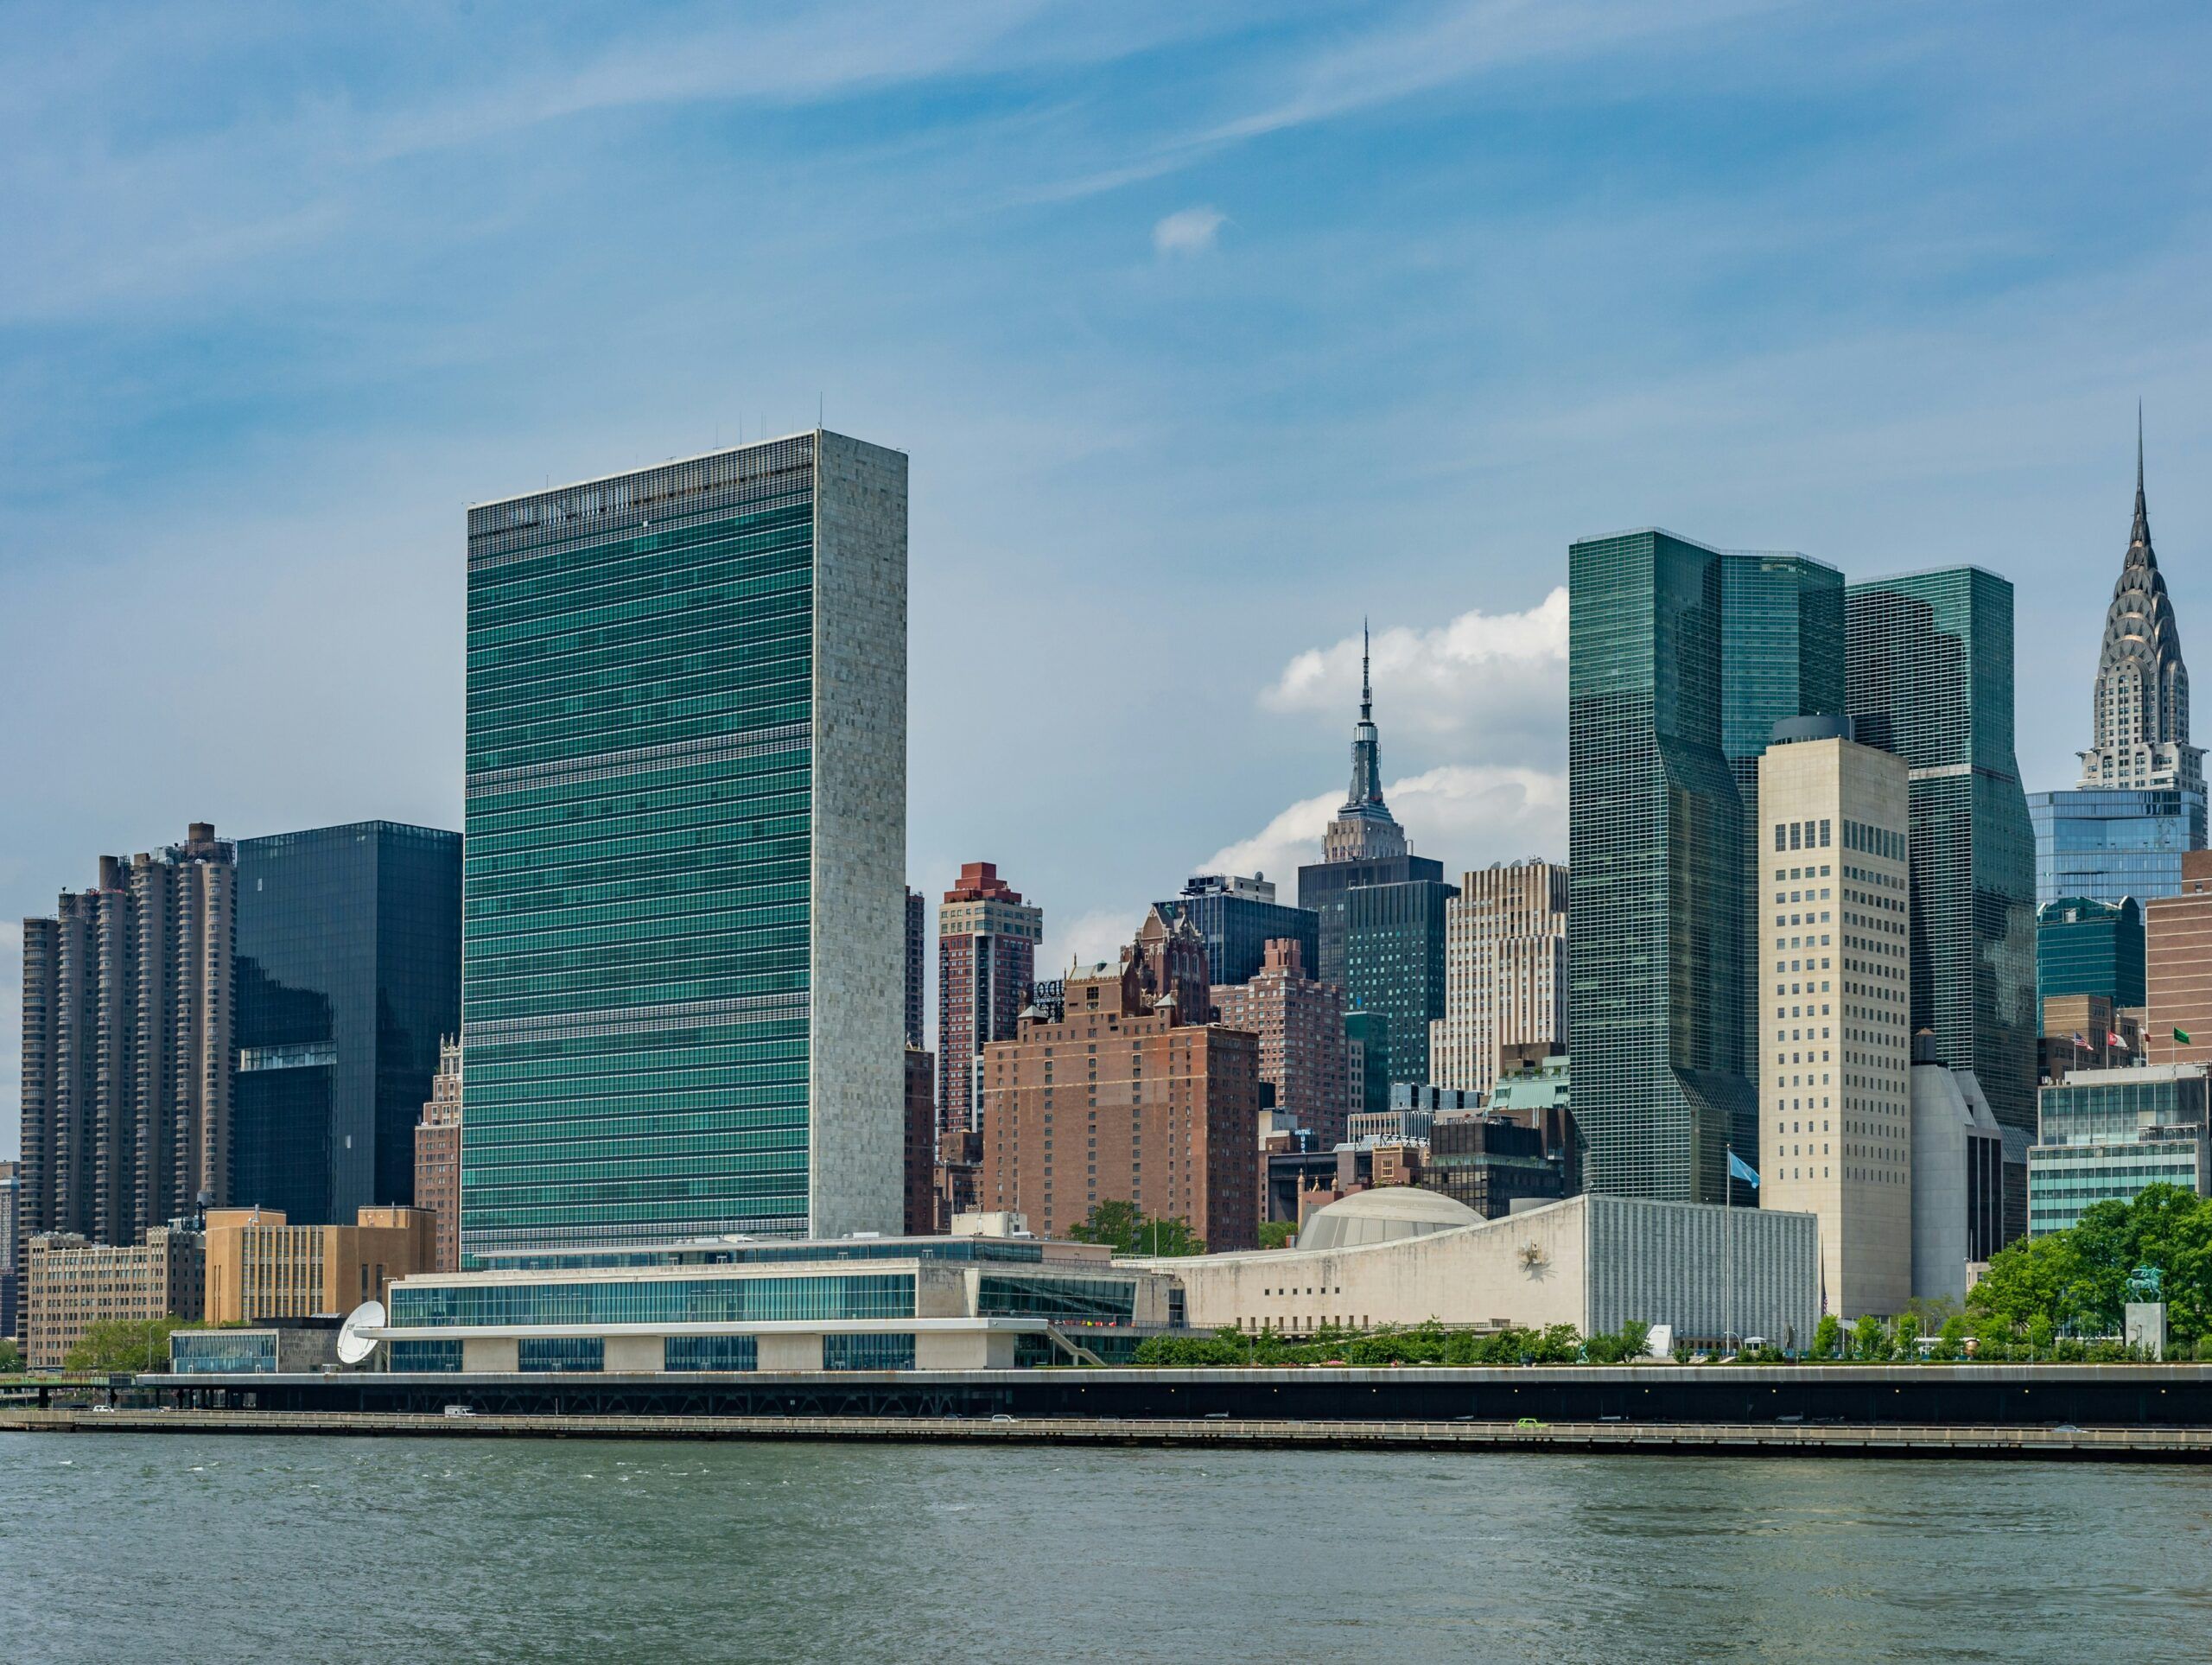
column 355, row 1344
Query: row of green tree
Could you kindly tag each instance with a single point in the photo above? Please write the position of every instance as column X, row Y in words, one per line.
column 1425, row 1344
column 112, row 1346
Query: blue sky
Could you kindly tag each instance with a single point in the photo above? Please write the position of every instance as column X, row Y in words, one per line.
column 1207, row 329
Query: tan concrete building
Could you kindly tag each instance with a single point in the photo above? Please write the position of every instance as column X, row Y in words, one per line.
column 260, row 1267
column 70, row 1285
column 1504, row 972
column 437, row 1156
column 1301, row 1024
column 1118, row 1099
column 2178, row 930
column 1835, row 1042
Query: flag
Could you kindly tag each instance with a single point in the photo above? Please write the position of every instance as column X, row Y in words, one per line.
column 2182, row 1035
column 2078, row 1041
column 2111, row 1039
column 1739, row 1169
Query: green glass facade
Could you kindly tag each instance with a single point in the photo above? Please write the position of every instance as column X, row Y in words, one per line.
column 1655, row 971
column 2106, row 1135
column 658, row 1300
column 2084, row 947
column 1780, row 656
column 1931, row 678
column 1393, row 964
column 684, row 889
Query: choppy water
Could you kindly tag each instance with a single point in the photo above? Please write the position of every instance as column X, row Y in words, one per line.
column 210, row 1548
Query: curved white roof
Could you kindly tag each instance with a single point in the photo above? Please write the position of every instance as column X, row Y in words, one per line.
column 1384, row 1215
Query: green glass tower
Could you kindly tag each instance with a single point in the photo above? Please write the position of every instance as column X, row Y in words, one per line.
column 684, row 873
column 1930, row 675
column 1393, row 964
column 2087, row 947
column 1655, row 960
column 1781, row 656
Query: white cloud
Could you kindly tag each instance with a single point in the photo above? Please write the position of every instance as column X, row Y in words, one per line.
column 1187, row 230
column 1099, row 934
column 1464, row 815
column 1501, row 675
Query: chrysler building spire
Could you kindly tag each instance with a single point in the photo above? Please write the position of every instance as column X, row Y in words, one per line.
column 2141, row 716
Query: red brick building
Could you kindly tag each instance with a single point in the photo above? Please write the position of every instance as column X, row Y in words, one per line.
column 1301, row 1024
column 1121, row 1100
column 2178, row 931
column 987, row 940
column 437, row 1156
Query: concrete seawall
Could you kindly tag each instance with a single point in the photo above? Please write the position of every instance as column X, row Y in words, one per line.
column 1745, row 1439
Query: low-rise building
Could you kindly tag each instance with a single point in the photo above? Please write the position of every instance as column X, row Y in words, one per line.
column 261, row 1267
column 962, row 1302
column 69, row 1284
column 1491, row 1162
column 1958, row 1176
column 2103, row 1135
column 290, row 1345
column 1406, row 1256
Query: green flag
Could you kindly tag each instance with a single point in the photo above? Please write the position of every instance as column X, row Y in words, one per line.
column 2182, row 1035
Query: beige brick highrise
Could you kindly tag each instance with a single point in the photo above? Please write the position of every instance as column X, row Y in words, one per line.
column 1504, row 971
column 1835, row 1070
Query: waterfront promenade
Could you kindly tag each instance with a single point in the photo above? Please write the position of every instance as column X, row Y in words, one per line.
column 1719, row 1439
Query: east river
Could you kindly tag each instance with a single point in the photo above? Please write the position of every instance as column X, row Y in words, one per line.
column 188, row 1546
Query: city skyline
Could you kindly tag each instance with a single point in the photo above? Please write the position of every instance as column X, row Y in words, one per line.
column 227, row 526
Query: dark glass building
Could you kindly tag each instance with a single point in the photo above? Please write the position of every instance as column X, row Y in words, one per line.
column 1930, row 679
column 1393, row 964
column 1367, row 1061
column 682, row 987
column 1781, row 656
column 2105, row 843
column 1238, row 917
column 1657, row 873
column 2085, row 947
column 348, row 976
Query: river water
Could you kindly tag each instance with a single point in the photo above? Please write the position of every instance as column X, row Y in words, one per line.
column 188, row 1546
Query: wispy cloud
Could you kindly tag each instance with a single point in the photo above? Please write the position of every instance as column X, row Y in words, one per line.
column 1187, row 230
column 1499, row 675
column 1464, row 815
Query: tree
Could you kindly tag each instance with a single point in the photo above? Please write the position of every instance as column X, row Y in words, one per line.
column 1277, row 1234
column 2076, row 1280
column 11, row 1356
column 1909, row 1336
column 1124, row 1227
column 112, row 1346
column 1827, row 1336
column 1868, row 1339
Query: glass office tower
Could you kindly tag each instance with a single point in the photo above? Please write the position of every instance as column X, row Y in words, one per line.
column 2087, row 947
column 1239, row 917
column 1930, row 675
column 683, row 992
column 1656, row 872
column 2108, row 844
column 1393, row 964
column 1781, row 656
column 348, row 976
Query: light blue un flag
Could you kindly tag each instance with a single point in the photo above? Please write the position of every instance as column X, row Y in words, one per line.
column 1739, row 1169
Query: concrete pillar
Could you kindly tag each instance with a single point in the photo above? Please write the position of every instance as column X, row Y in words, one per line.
column 790, row 1352
column 635, row 1355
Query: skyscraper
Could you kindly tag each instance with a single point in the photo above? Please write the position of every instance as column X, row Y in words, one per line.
column 2140, row 802
column 987, row 940
column 1656, row 865
column 917, row 925
column 437, row 1156
column 348, row 976
column 1393, row 964
column 1835, row 1098
column 1364, row 847
column 1931, row 679
column 1239, row 917
column 1781, row 656
column 1504, row 971
column 1301, row 1024
column 127, row 1036
column 686, row 751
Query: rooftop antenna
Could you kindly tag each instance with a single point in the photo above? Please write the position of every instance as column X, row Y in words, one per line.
column 1366, row 691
